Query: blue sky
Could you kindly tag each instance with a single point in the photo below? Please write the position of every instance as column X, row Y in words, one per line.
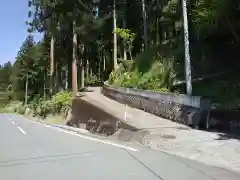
column 13, row 30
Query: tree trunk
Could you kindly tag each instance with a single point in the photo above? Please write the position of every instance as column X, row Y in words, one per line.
column 157, row 33
column 115, row 64
column 82, row 73
column 104, row 62
column 145, row 25
column 44, row 86
column 157, row 24
column 188, row 74
column 99, row 70
column 74, row 61
column 51, row 65
column 124, row 43
column 87, row 69
column 82, row 64
column 91, row 72
column 69, row 75
column 56, row 79
column 124, row 26
column 26, row 92
column 66, row 80
column 130, row 53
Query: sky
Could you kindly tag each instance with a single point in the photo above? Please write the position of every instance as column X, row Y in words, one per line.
column 13, row 29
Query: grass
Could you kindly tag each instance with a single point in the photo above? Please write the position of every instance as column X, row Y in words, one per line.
column 12, row 106
column 57, row 120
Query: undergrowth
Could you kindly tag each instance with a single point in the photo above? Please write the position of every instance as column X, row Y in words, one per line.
column 60, row 103
column 55, row 107
column 147, row 72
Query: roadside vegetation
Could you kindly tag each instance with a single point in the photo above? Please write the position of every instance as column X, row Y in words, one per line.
column 156, row 74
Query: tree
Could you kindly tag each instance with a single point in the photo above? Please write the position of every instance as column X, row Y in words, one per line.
column 26, row 69
column 5, row 83
column 83, row 35
column 128, row 38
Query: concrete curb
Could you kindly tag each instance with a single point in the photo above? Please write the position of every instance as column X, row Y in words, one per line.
column 68, row 128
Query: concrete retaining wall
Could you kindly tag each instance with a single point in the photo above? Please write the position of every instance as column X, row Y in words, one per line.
column 92, row 118
column 190, row 110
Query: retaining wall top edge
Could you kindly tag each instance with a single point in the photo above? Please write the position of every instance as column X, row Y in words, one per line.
column 194, row 101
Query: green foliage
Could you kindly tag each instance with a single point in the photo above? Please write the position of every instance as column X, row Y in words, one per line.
column 62, row 101
column 158, row 78
column 224, row 91
column 59, row 103
column 129, row 80
column 145, row 60
column 92, row 80
column 5, row 84
column 28, row 66
column 206, row 13
column 113, row 77
column 126, row 35
column 214, row 40
column 125, row 67
column 13, row 107
column 20, row 110
column 128, row 38
column 140, row 74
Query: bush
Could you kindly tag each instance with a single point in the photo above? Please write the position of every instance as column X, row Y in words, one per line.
column 127, row 79
column 148, row 72
column 59, row 103
column 92, row 80
column 114, row 77
column 13, row 107
column 21, row 110
column 125, row 67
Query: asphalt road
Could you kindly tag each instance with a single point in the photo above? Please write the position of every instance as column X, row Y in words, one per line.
column 34, row 151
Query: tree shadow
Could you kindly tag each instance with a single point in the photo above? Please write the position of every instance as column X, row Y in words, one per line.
column 144, row 61
column 226, row 123
column 95, row 119
column 227, row 136
column 224, row 134
column 86, row 90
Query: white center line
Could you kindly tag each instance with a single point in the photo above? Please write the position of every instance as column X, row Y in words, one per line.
column 13, row 122
column 22, row 131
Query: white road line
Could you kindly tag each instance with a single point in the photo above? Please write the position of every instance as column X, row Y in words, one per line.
column 46, row 125
column 94, row 139
column 22, row 131
column 105, row 142
column 13, row 122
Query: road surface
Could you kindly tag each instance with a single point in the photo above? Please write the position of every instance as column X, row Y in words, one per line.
column 33, row 151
